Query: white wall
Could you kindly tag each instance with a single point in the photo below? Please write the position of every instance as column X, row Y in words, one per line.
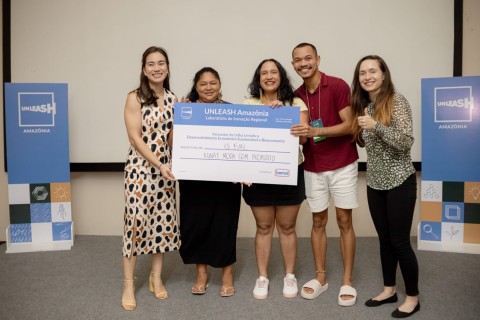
column 471, row 37
column 100, row 59
column 97, row 198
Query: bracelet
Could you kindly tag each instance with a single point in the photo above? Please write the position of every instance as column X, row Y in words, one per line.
column 160, row 166
column 321, row 271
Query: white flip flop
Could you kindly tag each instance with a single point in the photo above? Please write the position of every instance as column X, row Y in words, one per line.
column 347, row 290
column 317, row 288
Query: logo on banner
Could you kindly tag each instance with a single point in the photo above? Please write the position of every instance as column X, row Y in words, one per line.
column 36, row 109
column 453, row 104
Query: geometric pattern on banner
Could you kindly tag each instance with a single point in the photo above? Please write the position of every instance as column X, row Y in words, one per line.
column 21, row 232
column 472, row 192
column 18, row 193
column 40, row 212
column 450, row 211
column 40, row 193
column 41, row 232
column 61, row 231
column 471, row 233
column 432, row 191
column 60, row 192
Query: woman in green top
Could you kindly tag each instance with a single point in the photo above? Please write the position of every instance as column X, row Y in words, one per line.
column 384, row 127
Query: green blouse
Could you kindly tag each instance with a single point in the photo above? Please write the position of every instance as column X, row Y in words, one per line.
column 389, row 162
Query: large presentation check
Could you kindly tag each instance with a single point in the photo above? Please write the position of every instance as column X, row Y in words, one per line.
column 237, row 143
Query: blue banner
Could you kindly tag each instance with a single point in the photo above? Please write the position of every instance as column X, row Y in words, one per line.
column 235, row 115
column 38, row 166
column 450, row 193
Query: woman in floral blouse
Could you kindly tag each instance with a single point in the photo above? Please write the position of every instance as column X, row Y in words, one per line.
column 384, row 127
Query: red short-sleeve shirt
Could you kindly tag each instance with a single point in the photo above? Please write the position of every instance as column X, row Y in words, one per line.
column 331, row 96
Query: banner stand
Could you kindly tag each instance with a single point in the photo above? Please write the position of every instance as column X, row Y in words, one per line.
column 18, row 247
column 37, row 150
column 450, row 184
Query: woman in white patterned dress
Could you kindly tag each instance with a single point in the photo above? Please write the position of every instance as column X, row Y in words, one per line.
column 151, row 224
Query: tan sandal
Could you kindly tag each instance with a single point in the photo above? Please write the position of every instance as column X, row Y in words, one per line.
column 199, row 290
column 129, row 305
column 226, row 291
column 159, row 295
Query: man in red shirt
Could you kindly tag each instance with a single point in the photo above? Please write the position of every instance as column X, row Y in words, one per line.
column 331, row 167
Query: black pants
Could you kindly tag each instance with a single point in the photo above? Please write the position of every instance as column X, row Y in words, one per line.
column 392, row 214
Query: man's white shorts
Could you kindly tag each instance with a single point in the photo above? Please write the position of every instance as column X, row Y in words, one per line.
column 341, row 184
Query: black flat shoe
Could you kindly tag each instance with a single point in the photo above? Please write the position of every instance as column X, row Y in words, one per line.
column 376, row 303
column 400, row 314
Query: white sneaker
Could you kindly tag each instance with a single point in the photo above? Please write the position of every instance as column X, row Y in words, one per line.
column 261, row 288
column 290, row 288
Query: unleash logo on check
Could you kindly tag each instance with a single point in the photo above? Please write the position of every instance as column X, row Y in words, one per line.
column 282, row 173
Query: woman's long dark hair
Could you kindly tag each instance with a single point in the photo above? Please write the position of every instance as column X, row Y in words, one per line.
column 359, row 100
column 285, row 90
column 193, row 94
column 145, row 94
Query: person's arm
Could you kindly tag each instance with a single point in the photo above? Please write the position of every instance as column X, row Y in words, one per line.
column 170, row 134
column 133, row 123
column 304, row 119
column 170, row 138
column 341, row 129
